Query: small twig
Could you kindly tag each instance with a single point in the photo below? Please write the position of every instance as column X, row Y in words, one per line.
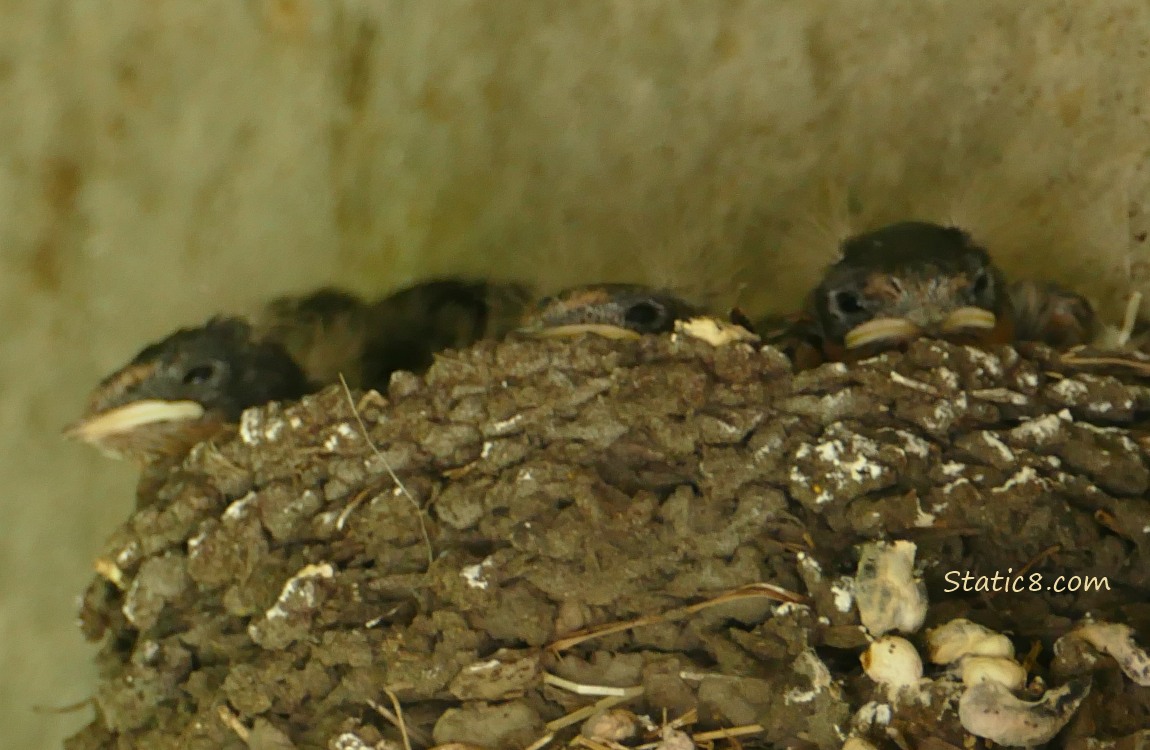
column 688, row 718
column 1032, row 656
column 581, row 689
column 598, row 632
column 598, row 744
column 541, row 742
column 710, row 736
column 613, row 696
column 724, row 734
column 385, row 712
column 350, row 508
column 750, row 591
column 586, row 712
column 753, row 590
column 396, row 719
column 386, row 465
column 1041, row 556
column 232, row 722
column 395, row 703
column 913, row 384
column 590, row 744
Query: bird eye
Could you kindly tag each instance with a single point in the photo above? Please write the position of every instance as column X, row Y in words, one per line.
column 846, row 302
column 199, row 374
column 645, row 315
column 980, row 284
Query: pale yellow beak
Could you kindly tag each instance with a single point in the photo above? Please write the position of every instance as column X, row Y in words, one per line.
column 895, row 329
column 969, row 317
column 106, row 424
column 880, row 329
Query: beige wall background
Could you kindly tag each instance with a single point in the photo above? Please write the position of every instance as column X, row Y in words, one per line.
column 161, row 160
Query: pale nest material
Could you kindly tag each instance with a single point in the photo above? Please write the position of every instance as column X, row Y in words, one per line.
column 659, row 525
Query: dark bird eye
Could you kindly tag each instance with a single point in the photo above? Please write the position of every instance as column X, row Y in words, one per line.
column 645, row 315
column 199, row 374
column 981, row 284
column 847, row 303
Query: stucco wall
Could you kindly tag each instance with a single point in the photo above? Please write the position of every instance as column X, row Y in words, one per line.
column 162, row 160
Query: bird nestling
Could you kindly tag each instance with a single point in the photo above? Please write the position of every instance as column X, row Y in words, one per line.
column 185, row 388
column 609, row 310
column 905, row 281
column 917, row 279
column 408, row 328
column 1053, row 315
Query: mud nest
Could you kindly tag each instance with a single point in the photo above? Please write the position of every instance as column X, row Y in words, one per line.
column 282, row 590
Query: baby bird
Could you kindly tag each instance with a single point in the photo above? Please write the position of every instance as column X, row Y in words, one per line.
column 1049, row 313
column 905, row 281
column 185, row 388
column 610, row 310
column 916, row 279
column 409, row 327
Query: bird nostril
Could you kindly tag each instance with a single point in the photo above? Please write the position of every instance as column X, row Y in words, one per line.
column 199, row 374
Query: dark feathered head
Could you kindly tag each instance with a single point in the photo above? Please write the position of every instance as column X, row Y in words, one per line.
column 909, row 280
column 181, row 390
column 616, row 310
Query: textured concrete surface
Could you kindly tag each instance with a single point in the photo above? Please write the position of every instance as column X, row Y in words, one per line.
column 161, row 160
